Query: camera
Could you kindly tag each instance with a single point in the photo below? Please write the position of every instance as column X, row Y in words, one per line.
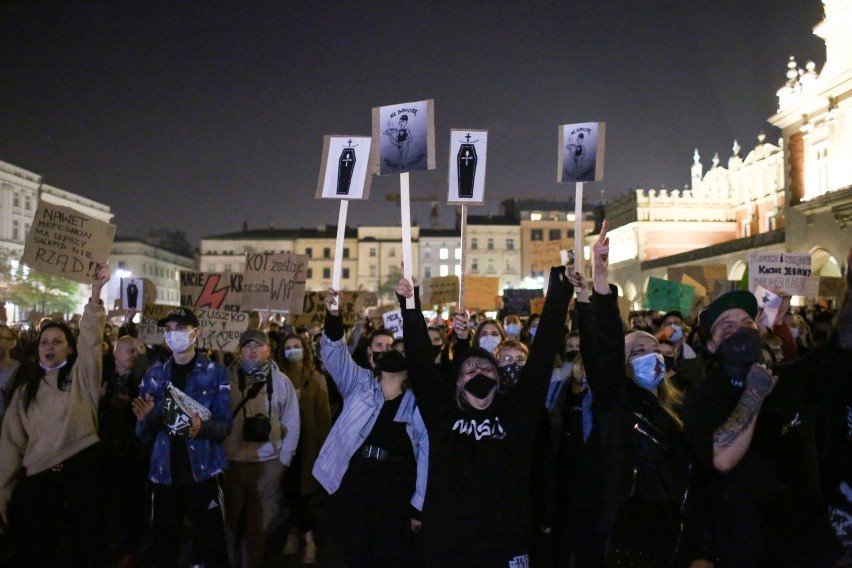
column 257, row 428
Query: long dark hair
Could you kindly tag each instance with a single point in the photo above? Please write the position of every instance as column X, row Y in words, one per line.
column 34, row 380
column 308, row 367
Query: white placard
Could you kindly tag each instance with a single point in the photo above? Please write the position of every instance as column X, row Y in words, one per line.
column 468, row 150
column 132, row 295
column 782, row 272
column 581, row 152
column 393, row 322
column 345, row 163
column 404, row 138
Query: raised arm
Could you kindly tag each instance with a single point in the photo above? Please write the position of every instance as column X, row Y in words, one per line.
column 88, row 369
column 336, row 357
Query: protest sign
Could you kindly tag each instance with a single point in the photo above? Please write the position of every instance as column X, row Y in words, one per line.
column 782, row 272
column 132, row 293
column 393, row 322
column 581, row 152
column 344, row 167
column 517, row 301
column 275, row 281
column 213, row 290
column 832, row 287
column 770, row 303
column 700, row 290
column 537, row 305
column 403, row 138
column 663, row 296
column 624, row 310
column 220, row 329
column 65, row 242
column 148, row 331
column 546, row 254
column 440, row 289
column 313, row 308
column 467, row 167
column 703, row 274
column 481, row 292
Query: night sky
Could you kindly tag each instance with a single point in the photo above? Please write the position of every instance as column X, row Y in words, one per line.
column 198, row 116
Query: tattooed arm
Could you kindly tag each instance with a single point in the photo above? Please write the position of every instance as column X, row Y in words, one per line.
column 733, row 438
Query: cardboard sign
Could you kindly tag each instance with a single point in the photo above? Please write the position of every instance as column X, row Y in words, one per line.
column 404, row 138
column 581, row 152
column 349, row 303
column 440, row 289
column 537, row 305
column 770, row 303
column 624, row 310
column 546, row 254
column 700, row 291
column 132, row 294
column 481, row 292
column 703, row 274
column 149, row 333
column 212, row 290
column 467, row 167
column 832, row 287
column 275, row 281
column 664, row 295
column 66, row 242
column 220, row 329
column 782, row 272
column 517, row 301
column 393, row 322
column 344, row 168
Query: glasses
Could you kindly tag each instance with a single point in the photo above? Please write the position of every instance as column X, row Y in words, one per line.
column 520, row 359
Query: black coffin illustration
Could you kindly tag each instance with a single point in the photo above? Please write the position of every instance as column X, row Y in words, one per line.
column 466, row 162
column 345, row 166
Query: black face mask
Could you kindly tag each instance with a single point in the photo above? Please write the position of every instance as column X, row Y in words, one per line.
column 740, row 351
column 480, row 386
column 436, row 350
column 670, row 361
column 391, row 361
column 569, row 356
column 511, row 372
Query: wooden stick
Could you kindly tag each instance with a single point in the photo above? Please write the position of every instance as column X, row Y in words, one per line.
column 578, row 228
column 338, row 250
column 405, row 215
column 463, row 239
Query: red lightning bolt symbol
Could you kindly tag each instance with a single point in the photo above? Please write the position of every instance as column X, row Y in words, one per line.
column 210, row 297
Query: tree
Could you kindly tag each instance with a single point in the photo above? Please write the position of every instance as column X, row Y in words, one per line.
column 32, row 290
column 387, row 289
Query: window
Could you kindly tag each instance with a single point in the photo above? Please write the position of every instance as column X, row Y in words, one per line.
column 427, row 272
column 510, row 244
column 771, row 222
column 427, row 253
column 16, row 230
column 746, row 227
column 28, row 204
column 392, row 253
column 445, row 270
column 474, row 264
column 227, row 267
column 554, row 235
column 373, row 271
column 326, row 273
column 310, row 273
column 458, row 254
column 16, row 201
column 444, row 253
column 474, row 244
column 122, row 265
column 570, row 233
column 535, row 216
column 309, row 251
column 345, row 273
column 490, row 244
column 346, row 252
column 457, row 270
column 326, row 252
column 373, row 251
column 536, row 235
column 490, row 266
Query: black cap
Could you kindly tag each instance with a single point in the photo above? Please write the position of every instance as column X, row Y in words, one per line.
column 182, row 316
column 742, row 299
column 253, row 335
column 673, row 314
column 474, row 352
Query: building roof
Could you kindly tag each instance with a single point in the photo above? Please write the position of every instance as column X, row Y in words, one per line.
column 271, row 234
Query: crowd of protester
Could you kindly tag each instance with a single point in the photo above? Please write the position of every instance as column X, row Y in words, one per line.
column 579, row 437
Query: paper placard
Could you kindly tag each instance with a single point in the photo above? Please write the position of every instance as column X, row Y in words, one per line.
column 403, row 138
column 782, row 272
column 581, row 152
column 536, row 305
column 770, row 303
column 344, row 167
column 481, row 292
column 704, row 274
column 700, row 290
column 664, row 295
column 349, row 303
column 149, row 333
column 440, row 289
column 213, row 290
column 832, row 287
column 467, row 167
column 275, row 281
column 393, row 322
column 132, row 294
column 546, row 254
column 65, row 242
column 517, row 301
column 220, row 329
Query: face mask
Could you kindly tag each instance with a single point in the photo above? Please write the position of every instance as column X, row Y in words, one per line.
column 511, row 372
column 489, row 342
column 480, row 386
column 649, row 370
column 436, row 350
column 677, row 333
column 392, row 361
column 513, row 329
column 795, row 332
column 569, row 356
column 59, row 366
column 294, row 355
column 740, row 351
column 178, row 341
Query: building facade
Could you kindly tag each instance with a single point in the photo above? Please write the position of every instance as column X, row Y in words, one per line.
column 133, row 258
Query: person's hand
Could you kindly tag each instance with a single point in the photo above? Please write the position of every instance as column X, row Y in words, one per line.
column 129, row 315
column 416, row 525
column 194, row 425
column 600, row 267
column 760, row 380
column 461, row 321
column 578, row 281
column 142, row 406
column 330, row 300
column 101, row 278
column 404, row 288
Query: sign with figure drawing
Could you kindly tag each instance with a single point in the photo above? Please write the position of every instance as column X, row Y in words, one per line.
column 581, row 152
column 404, row 138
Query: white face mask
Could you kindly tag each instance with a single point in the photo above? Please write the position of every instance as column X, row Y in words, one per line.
column 489, row 342
column 513, row 329
column 295, row 354
column 649, row 370
column 179, row 341
column 677, row 333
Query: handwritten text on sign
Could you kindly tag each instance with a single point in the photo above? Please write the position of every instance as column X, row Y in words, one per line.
column 220, row 329
column 66, row 242
column 782, row 272
column 275, row 281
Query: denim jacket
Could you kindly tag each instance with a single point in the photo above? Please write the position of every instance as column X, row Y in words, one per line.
column 362, row 401
column 208, row 384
